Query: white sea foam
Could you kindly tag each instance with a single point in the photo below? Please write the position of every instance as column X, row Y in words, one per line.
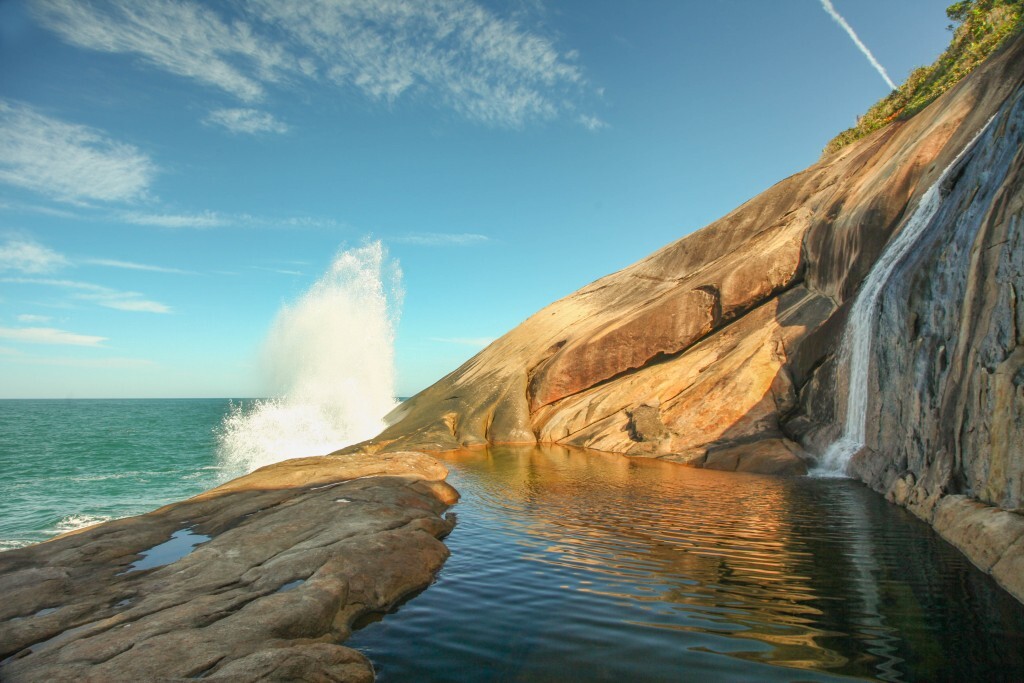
column 11, row 544
column 76, row 521
column 330, row 357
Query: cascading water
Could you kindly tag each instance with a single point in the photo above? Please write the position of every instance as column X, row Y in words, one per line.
column 330, row 357
column 860, row 328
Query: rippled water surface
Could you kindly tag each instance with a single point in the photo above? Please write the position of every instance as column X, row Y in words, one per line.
column 569, row 565
column 69, row 464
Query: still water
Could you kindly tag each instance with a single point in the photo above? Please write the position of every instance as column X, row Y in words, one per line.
column 570, row 565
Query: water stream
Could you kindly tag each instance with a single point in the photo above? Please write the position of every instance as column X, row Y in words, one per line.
column 860, row 328
column 574, row 565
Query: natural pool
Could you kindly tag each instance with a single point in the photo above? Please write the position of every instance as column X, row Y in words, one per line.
column 572, row 565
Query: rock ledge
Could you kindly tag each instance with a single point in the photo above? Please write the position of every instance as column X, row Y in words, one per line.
column 287, row 558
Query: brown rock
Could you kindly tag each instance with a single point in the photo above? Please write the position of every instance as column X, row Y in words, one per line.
column 766, row 456
column 287, row 558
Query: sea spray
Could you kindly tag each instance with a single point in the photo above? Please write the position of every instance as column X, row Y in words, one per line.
column 330, row 359
column 855, row 352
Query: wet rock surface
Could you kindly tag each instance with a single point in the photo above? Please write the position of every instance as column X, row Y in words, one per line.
column 272, row 571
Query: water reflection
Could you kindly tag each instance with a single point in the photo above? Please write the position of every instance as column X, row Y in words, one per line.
column 588, row 566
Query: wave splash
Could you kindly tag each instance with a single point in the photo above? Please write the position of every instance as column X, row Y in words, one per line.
column 330, row 357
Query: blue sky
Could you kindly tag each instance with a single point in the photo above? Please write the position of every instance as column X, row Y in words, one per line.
column 172, row 171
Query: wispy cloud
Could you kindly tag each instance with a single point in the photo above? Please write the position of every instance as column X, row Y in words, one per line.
column 113, row 363
column 456, row 53
column 67, row 161
column 33, row 318
column 49, row 335
column 98, row 294
column 117, row 362
column 591, row 123
column 52, row 282
column 279, row 271
column 441, row 239
column 478, row 342
column 127, row 301
column 181, row 220
column 129, row 265
column 251, row 121
column 27, row 256
column 207, row 219
column 183, row 38
column 838, row 18
column 44, row 210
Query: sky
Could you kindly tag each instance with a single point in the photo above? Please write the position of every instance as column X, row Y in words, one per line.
column 172, row 172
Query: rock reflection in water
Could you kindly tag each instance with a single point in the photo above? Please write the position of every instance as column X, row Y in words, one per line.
column 590, row 566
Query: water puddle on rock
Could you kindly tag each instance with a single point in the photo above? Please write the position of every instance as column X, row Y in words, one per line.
column 572, row 565
column 180, row 544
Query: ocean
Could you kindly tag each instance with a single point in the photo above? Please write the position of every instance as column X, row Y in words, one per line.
column 68, row 464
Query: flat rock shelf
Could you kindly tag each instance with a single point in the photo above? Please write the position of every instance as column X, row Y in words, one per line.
column 258, row 579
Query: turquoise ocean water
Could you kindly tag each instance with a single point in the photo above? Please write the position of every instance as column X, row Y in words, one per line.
column 71, row 463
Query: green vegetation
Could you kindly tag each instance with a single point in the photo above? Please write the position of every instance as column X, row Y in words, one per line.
column 980, row 27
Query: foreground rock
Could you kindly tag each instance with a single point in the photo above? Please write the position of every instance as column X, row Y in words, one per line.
column 289, row 557
column 721, row 350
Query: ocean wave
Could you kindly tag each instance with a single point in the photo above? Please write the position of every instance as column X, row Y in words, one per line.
column 76, row 521
column 11, row 544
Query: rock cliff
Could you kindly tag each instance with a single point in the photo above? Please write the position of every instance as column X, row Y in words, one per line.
column 722, row 350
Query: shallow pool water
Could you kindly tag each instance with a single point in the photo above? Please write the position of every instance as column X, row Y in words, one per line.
column 573, row 565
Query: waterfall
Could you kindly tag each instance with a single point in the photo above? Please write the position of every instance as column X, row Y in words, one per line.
column 860, row 327
column 330, row 356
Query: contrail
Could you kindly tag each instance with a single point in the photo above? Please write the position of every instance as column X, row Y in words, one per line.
column 827, row 4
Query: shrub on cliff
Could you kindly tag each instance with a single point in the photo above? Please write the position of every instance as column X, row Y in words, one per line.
column 980, row 27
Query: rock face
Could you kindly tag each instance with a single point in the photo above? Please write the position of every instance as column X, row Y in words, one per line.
column 288, row 558
column 722, row 349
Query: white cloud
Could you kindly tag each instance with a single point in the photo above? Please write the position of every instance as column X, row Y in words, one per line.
column 591, row 123
column 32, row 318
column 67, row 161
column 183, row 38
column 250, row 121
column 50, row 282
column 98, row 294
column 478, row 342
column 29, row 257
column 441, row 239
column 197, row 220
column 456, row 53
column 486, row 68
column 87, row 362
column 127, row 301
column 49, row 335
column 45, row 210
column 279, row 271
column 129, row 265
column 207, row 219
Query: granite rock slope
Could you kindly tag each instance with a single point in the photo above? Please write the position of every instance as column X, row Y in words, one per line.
column 723, row 349
column 723, row 338
column 287, row 558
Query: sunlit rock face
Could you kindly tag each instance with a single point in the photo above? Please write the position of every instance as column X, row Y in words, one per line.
column 723, row 349
column 727, row 336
